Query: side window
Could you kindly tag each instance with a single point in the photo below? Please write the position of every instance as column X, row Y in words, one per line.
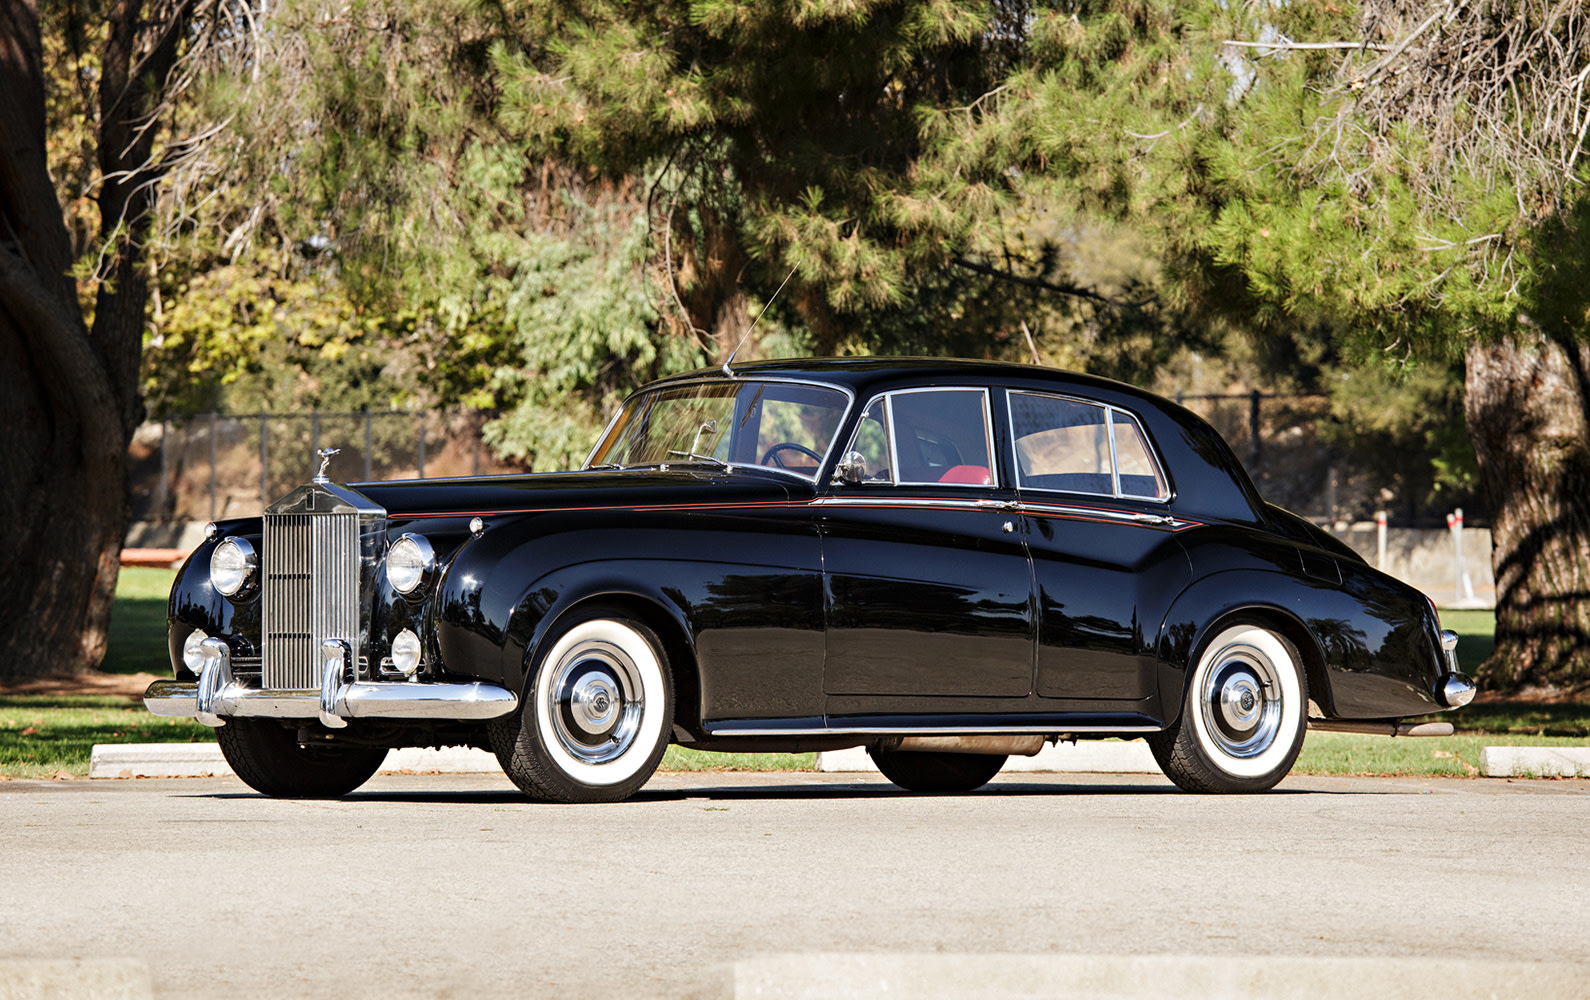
column 1081, row 447
column 1062, row 444
column 1140, row 475
column 941, row 436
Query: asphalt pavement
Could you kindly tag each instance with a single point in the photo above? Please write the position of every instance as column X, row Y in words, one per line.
column 456, row 886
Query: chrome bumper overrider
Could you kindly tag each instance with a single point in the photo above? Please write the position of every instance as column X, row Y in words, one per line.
column 1454, row 689
column 217, row 695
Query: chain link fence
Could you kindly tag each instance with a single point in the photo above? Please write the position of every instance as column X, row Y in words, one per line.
column 230, row 465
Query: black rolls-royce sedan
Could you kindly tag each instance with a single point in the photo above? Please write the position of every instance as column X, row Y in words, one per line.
column 943, row 562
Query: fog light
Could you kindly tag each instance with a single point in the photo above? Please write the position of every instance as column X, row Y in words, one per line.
column 406, row 652
column 192, row 655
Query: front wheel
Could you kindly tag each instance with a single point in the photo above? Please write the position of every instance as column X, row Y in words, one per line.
column 270, row 760
column 596, row 718
column 1243, row 717
column 937, row 771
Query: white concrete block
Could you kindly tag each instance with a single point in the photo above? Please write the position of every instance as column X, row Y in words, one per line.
column 204, row 760
column 1082, row 757
column 75, row 979
column 1534, row 762
column 448, row 760
column 156, row 760
column 860, row 976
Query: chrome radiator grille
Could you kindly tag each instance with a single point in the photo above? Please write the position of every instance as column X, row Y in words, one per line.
column 311, row 593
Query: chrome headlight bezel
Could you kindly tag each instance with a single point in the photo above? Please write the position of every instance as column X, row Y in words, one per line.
column 410, row 565
column 234, row 567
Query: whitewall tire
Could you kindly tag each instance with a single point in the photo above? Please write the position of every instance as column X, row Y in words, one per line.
column 1243, row 716
column 596, row 717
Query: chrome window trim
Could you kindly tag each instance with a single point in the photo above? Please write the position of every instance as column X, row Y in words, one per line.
column 890, row 435
column 1115, row 465
column 850, row 403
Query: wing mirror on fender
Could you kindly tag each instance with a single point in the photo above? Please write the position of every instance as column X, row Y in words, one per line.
column 851, row 469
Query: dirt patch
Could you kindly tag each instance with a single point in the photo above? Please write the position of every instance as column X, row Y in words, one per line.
column 129, row 686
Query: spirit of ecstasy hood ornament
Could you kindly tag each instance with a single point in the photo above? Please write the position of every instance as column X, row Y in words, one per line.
column 325, row 460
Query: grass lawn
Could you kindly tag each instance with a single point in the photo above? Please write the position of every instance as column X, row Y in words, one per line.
column 44, row 736
column 138, row 622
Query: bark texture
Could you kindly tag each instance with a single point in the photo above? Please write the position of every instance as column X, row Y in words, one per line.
column 68, row 395
column 1526, row 410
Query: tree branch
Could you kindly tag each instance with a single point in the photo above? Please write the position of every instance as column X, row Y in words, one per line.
column 1049, row 286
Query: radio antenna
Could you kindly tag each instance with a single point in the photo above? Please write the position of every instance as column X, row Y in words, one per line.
column 726, row 361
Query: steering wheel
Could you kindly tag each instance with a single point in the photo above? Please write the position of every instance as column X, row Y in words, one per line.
column 790, row 446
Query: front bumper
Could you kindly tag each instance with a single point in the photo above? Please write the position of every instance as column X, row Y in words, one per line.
column 217, row 696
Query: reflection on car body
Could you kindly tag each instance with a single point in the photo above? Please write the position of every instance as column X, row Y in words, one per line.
column 943, row 562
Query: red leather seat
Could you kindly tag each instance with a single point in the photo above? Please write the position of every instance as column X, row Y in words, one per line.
column 971, row 475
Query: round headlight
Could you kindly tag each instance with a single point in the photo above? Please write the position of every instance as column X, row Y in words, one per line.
column 192, row 655
column 232, row 566
column 408, row 562
column 406, row 652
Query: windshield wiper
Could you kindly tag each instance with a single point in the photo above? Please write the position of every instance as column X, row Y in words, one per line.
column 715, row 460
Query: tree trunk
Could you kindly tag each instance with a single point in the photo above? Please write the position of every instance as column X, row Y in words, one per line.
column 711, row 278
column 1528, row 413
column 68, row 396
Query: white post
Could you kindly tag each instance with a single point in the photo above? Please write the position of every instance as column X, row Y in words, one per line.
column 1380, row 540
column 1456, row 521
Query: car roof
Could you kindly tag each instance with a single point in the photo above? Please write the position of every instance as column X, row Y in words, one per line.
column 1209, row 477
column 863, row 374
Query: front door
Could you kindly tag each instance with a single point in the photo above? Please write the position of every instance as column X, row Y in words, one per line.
column 928, row 584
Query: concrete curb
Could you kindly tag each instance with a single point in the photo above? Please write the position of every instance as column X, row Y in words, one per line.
column 74, row 979
column 1112, row 977
column 204, row 760
column 1535, row 762
column 1087, row 757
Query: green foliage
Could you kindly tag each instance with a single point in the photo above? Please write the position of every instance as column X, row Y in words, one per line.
column 46, row 736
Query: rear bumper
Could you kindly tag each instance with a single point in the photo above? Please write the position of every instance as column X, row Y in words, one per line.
column 1454, row 689
column 217, row 696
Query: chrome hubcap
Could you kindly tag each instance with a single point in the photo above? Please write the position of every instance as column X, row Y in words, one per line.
column 1241, row 702
column 596, row 701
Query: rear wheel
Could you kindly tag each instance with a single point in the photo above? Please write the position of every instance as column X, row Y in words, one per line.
column 937, row 771
column 597, row 717
column 270, row 760
column 1243, row 717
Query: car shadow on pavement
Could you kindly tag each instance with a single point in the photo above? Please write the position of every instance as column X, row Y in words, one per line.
column 807, row 791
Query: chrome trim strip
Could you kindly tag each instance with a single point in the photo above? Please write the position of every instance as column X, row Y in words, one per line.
column 1115, row 515
column 934, row 730
column 909, row 501
column 472, row 702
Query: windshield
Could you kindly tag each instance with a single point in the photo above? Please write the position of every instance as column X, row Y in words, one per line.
column 785, row 426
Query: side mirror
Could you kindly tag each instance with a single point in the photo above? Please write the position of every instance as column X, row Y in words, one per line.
column 852, row 469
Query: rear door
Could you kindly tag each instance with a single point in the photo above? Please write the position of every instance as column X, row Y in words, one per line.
column 1103, row 546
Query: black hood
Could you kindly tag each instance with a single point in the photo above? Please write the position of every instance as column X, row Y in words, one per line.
column 568, row 490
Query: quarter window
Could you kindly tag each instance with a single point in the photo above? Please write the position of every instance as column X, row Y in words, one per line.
column 1081, row 447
